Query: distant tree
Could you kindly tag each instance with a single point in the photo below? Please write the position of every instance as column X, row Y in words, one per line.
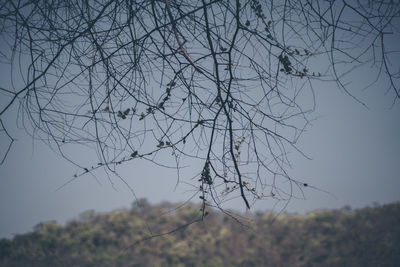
column 225, row 83
column 366, row 237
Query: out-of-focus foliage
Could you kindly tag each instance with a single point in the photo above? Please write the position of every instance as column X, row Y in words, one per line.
column 366, row 237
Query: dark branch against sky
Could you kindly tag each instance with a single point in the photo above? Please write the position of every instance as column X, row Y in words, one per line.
column 219, row 98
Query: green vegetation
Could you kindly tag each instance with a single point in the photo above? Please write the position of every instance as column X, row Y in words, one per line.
column 366, row 237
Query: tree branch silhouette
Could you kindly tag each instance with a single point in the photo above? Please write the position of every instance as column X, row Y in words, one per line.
column 226, row 84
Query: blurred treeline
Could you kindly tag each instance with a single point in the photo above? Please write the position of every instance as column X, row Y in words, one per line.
column 365, row 237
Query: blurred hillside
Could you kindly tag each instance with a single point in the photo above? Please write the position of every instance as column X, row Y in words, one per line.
column 366, row 237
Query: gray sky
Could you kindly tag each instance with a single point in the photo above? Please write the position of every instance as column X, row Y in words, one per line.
column 355, row 155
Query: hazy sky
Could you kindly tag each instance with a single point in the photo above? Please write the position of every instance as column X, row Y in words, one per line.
column 355, row 155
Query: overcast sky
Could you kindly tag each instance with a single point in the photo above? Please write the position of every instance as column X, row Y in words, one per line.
column 355, row 155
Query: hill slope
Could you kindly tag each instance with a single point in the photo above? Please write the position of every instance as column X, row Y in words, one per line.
column 366, row 237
